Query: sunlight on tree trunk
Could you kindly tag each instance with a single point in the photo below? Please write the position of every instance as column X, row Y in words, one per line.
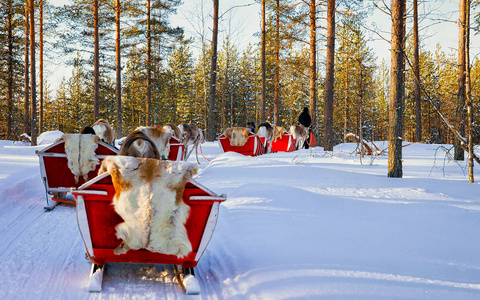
column 33, row 78
column 96, row 68
column 329, row 78
column 460, row 110
column 395, row 134
column 213, row 76
column 118, row 72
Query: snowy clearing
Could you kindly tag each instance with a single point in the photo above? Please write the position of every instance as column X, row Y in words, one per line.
column 300, row 225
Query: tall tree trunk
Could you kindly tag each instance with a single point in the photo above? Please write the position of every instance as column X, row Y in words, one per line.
column 468, row 91
column 118, row 71
column 329, row 78
column 26, row 107
column 313, row 63
column 416, row 87
column 33, row 78
column 263, row 105
column 96, row 71
column 346, row 113
column 213, row 76
column 40, row 66
column 10, row 71
column 149, row 67
column 276, row 119
column 359, row 107
column 395, row 128
column 460, row 110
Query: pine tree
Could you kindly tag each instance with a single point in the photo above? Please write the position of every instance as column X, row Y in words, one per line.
column 11, row 68
column 395, row 135
column 354, row 79
column 181, row 87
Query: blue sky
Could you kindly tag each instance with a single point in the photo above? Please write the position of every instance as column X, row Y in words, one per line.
column 245, row 22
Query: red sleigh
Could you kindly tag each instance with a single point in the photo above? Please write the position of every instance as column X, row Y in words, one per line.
column 285, row 143
column 58, row 178
column 252, row 147
column 97, row 220
column 176, row 149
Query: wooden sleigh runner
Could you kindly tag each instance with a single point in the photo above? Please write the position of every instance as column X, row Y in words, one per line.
column 56, row 175
column 98, row 221
column 252, row 147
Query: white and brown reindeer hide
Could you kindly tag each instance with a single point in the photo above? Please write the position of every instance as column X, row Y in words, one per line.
column 80, row 151
column 278, row 132
column 191, row 135
column 238, row 136
column 104, row 130
column 270, row 133
column 148, row 196
column 265, row 130
column 160, row 137
column 138, row 144
column 174, row 130
column 299, row 132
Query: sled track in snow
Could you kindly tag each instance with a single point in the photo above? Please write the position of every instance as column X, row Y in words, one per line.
column 20, row 217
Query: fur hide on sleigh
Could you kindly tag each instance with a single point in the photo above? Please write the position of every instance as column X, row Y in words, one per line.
column 149, row 199
column 238, row 136
column 105, row 131
column 80, row 151
column 160, row 136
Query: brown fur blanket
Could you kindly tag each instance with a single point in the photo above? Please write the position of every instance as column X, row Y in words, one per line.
column 160, row 136
column 80, row 151
column 238, row 136
column 104, row 130
column 149, row 199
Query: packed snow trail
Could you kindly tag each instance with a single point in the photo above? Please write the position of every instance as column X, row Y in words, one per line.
column 299, row 225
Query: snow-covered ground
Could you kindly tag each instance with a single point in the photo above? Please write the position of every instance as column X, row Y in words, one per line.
column 300, row 225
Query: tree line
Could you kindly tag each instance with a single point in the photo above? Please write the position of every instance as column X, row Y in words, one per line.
column 132, row 67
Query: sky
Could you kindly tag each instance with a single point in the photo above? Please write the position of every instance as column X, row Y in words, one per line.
column 437, row 26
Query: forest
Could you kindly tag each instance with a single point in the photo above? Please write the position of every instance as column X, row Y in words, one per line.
column 131, row 66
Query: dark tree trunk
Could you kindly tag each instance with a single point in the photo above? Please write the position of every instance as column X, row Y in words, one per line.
column 276, row 119
column 468, row 91
column 96, row 71
column 118, row 71
column 329, row 78
column 460, row 121
column 416, row 65
column 360, row 107
column 263, row 105
column 40, row 66
column 26, row 106
column 149, row 67
column 395, row 132
column 33, row 86
column 10, row 71
column 346, row 114
column 213, row 76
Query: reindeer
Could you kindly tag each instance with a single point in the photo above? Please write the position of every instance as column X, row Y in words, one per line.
column 174, row 130
column 138, row 144
column 191, row 135
column 299, row 132
column 160, row 137
column 104, row 130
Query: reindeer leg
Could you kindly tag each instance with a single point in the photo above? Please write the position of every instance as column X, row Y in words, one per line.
column 190, row 152
column 185, row 156
column 196, row 153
